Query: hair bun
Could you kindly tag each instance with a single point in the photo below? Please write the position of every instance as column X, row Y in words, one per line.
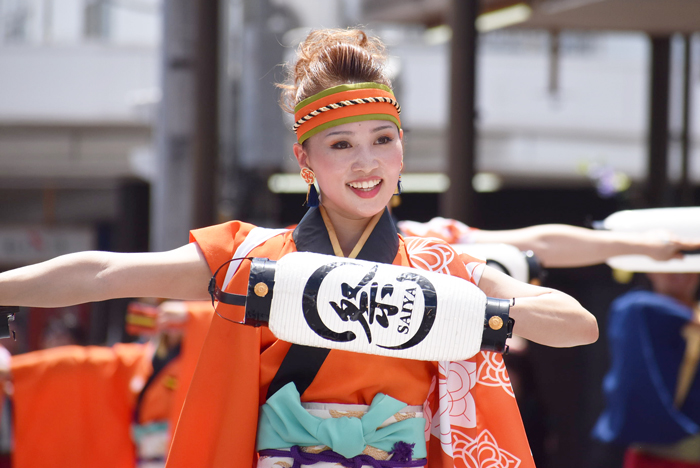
column 331, row 57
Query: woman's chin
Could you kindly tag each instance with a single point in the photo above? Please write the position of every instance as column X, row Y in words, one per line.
column 369, row 208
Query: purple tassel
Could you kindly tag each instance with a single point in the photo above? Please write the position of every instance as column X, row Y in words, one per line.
column 402, row 452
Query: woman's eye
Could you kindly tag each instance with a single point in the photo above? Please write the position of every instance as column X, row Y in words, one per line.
column 382, row 140
column 340, row 145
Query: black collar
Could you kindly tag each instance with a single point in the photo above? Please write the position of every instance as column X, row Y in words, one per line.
column 382, row 245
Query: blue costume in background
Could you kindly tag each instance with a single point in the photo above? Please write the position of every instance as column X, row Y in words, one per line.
column 646, row 347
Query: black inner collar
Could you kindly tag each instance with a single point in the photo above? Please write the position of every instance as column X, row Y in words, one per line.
column 382, row 245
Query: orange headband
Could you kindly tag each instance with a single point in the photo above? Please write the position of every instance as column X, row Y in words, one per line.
column 342, row 104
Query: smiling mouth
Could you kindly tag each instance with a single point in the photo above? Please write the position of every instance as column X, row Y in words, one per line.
column 366, row 185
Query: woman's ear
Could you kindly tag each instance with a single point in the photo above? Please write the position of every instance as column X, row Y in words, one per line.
column 301, row 155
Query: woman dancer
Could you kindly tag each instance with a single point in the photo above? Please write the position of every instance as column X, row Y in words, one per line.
column 240, row 402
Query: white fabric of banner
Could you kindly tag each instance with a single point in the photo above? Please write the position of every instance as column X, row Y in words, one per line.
column 374, row 308
column 682, row 222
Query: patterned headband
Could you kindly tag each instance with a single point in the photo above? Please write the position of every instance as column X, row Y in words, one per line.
column 342, row 104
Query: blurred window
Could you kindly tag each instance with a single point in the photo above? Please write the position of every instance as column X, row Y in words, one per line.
column 520, row 41
column 14, row 20
column 97, row 19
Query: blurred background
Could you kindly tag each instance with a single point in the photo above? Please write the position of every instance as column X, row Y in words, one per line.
column 125, row 123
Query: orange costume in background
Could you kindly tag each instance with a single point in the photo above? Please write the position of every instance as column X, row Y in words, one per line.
column 472, row 416
column 74, row 406
column 162, row 399
column 159, row 403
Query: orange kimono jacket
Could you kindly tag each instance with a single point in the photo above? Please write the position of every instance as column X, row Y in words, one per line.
column 472, row 417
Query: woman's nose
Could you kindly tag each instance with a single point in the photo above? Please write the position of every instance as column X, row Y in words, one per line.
column 365, row 159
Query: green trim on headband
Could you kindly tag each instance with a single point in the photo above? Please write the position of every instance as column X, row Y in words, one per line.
column 344, row 120
column 340, row 89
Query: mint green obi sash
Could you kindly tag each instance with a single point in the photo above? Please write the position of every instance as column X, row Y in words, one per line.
column 285, row 423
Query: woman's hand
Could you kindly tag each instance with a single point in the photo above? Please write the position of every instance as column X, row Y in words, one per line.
column 664, row 245
column 543, row 315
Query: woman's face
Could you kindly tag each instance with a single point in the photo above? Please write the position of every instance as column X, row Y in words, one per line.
column 682, row 286
column 357, row 166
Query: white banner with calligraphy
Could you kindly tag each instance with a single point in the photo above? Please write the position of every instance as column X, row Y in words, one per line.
column 375, row 308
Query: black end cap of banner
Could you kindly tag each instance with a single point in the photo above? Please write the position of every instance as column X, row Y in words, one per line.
column 498, row 326
column 261, row 287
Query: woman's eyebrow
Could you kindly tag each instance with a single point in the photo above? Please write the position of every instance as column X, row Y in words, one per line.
column 383, row 127
column 340, row 132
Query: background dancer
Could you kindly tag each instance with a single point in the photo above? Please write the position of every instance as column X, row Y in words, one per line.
column 107, row 406
column 652, row 390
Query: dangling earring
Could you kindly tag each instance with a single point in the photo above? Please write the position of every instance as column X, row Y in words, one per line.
column 399, row 189
column 311, row 193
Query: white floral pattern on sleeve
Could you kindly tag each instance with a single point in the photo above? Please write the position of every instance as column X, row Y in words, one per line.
column 482, row 451
column 456, row 403
column 492, row 372
column 429, row 254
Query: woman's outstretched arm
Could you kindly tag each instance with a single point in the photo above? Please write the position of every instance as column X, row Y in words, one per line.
column 562, row 246
column 542, row 315
column 81, row 277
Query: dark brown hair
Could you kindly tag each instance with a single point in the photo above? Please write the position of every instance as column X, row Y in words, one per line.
column 332, row 57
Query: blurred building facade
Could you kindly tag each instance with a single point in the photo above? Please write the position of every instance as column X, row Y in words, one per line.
column 78, row 84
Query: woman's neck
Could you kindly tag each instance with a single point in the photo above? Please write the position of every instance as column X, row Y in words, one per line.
column 347, row 230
